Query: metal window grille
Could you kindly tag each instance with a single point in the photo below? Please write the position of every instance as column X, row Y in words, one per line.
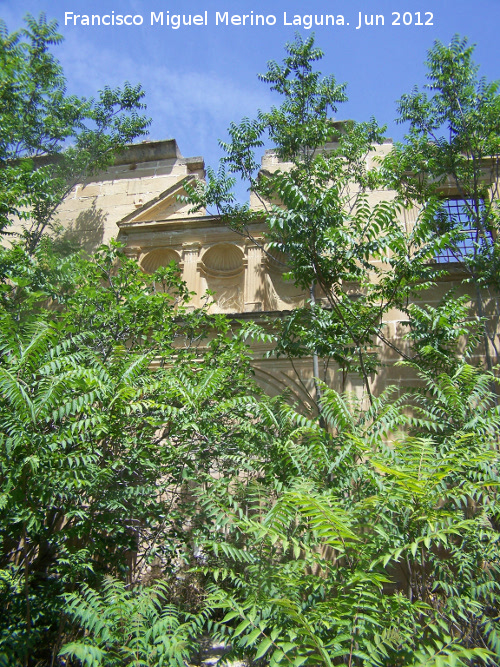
column 455, row 215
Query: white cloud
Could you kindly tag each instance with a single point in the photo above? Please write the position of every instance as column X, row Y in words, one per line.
column 191, row 106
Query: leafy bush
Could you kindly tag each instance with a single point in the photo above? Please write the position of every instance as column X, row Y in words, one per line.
column 368, row 553
column 133, row 627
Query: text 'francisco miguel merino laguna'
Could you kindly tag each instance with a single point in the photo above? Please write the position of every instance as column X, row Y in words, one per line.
column 176, row 21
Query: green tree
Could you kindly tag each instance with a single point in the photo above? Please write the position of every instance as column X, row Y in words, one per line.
column 353, row 258
column 338, row 548
column 111, row 405
column 344, row 550
column 49, row 140
column 130, row 428
column 115, row 397
column 452, row 149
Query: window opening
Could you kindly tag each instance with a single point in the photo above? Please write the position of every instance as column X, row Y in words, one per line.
column 454, row 215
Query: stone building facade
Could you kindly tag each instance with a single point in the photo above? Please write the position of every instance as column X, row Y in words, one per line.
column 137, row 201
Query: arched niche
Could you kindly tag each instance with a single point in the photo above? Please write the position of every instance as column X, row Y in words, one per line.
column 222, row 271
column 281, row 294
column 155, row 259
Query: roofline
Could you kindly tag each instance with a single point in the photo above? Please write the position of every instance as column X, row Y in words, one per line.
column 145, row 151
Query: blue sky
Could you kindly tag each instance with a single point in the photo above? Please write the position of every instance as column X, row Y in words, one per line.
column 198, row 79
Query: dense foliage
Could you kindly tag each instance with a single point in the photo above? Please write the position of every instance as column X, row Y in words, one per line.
column 347, row 248
column 151, row 495
column 99, row 444
column 452, row 147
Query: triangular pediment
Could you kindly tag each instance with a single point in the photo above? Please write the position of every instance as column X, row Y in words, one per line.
column 164, row 206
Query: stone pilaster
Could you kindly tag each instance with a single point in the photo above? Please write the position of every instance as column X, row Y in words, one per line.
column 254, row 284
column 190, row 255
